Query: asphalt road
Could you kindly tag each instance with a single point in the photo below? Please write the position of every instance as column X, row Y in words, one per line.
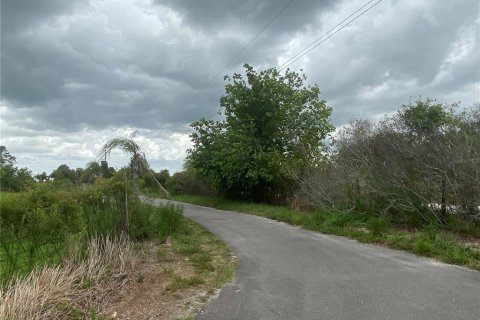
column 288, row 273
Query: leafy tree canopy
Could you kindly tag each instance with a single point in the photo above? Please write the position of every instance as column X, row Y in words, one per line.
column 274, row 128
column 426, row 117
column 63, row 172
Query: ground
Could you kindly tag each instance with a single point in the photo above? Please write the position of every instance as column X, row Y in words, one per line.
column 170, row 282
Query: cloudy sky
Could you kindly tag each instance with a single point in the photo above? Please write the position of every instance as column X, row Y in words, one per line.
column 76, row 73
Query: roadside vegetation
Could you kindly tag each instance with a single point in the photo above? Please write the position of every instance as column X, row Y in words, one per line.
column 461, row 246
column 70, row 250
column 409, row 181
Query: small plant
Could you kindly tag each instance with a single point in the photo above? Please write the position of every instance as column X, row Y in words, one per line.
column 179, row 282
column 378, row 225
column 165, row 255
column 424, row 247
column 202, row 262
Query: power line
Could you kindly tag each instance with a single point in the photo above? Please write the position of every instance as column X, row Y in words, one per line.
column 317, row 41
column 325, row 34
column 241, row 51
column 300, row 55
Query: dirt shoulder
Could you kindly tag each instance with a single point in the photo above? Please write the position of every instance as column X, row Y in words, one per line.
column 173, row 280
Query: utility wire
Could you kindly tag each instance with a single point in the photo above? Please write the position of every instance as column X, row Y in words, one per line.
column 241, row 51
column 325, row 34
column 324, row 37
column 309, row 48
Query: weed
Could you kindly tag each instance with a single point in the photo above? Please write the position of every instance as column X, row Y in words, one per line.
column 179, row 282
column 202, row 262
column 378, row 225
column 165, row 255
column 423, row 247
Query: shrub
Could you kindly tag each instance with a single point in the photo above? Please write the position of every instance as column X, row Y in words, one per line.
column 147, row 221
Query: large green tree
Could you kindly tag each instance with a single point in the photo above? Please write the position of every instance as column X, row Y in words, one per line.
column 274, row 129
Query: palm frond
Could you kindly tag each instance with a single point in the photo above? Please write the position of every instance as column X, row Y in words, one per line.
column 126, row 145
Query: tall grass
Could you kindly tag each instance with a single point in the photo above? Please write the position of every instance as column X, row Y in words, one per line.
column 74, row 290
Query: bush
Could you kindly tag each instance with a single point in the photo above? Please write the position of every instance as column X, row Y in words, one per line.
column 416, row 167
column 35, row 227
column 147, row 221
column 188, row 182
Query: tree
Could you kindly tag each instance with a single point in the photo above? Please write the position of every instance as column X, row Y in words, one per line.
column 11, row 177
column 6, row 159
column 91, row 172
column 42, row 177
column 274, row 129
column 422, row 163
column 106, row 171
column 138, row 162
column 425, row 118
column 64, row 174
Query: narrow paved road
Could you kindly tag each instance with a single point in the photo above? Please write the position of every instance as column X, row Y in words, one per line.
column 288, row 273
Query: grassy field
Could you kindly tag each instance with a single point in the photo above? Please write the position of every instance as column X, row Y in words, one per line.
column 459, row 248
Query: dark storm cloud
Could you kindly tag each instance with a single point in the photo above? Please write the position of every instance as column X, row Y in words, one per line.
column 18, row 15
column 251, row 15
column 69, row 66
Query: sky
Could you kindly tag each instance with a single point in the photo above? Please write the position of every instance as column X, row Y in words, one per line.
column 77, row 73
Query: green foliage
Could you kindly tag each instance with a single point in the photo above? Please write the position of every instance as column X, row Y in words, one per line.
column 202, row 262
column 42, row 177
column 6, row 159
column 179, row 282
column 138, row 162
column 274, row 128
column 13, row 178
column 41, row 225
column 155, row 222
column 103, row 206
column 63, row 174
column 35, row 227
column 379, row 225
column 425, row 117
column 188, row 181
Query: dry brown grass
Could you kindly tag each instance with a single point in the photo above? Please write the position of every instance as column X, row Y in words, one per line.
column 76, row 290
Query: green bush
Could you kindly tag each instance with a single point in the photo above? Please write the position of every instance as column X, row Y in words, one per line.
column 35, row 226
column 147, row 221
column 103, row 205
